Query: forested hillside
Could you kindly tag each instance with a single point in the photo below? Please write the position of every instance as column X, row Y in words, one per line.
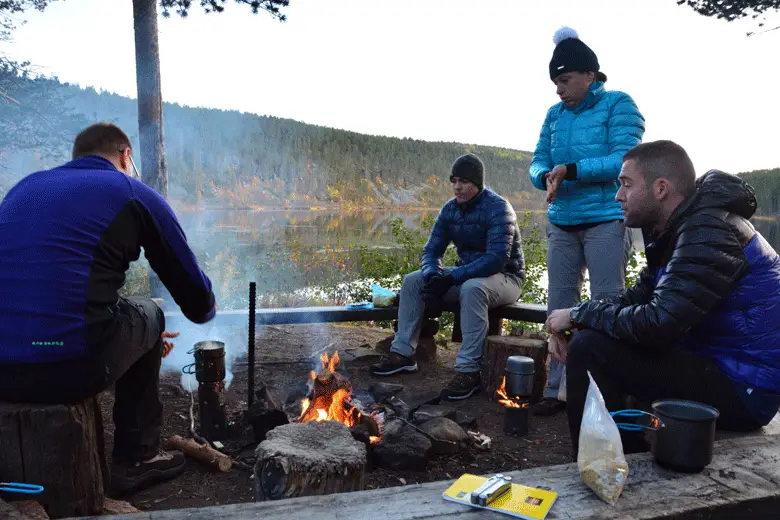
column 244, row 160
column 767, row 185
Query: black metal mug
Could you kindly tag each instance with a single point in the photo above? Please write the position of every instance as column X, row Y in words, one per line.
column 683, row 432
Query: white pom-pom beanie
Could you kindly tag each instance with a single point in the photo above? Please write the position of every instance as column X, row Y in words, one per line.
column 571, row 54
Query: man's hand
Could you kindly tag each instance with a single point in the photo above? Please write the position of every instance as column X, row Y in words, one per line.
column 558, row 345
column 554, row 179
column 437, row 287
column 559, row 321
column 167, row 345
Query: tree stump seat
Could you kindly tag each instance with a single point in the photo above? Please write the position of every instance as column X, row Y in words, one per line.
column 59, row 447
column 311, row 458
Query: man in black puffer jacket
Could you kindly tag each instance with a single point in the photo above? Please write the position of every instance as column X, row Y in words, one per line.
column 488, row 273
column 703, row 321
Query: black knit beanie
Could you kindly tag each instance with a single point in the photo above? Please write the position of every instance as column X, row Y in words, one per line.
column 469, row 167
column 571, row 54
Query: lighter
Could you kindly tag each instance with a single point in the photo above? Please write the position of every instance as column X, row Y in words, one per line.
column 492, row 488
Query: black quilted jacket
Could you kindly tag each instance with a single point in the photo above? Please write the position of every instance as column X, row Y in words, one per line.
column 693, row 266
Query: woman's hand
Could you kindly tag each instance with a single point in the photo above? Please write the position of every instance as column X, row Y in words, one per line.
column 553, row 180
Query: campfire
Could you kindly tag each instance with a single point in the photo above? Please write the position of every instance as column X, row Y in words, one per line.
column 331, row 397
column 515, row 412
column 508, row 401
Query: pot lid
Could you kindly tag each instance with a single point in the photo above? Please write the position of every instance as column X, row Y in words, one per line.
column 519, row 365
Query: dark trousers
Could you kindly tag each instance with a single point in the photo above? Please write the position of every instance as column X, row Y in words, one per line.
column 623, row 369
column 129, row 359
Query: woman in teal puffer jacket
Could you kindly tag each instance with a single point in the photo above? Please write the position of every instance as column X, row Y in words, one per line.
column 577, row 161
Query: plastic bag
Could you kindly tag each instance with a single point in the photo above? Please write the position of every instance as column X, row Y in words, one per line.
column 601, row 462
column 382, row 297
column 562, row 386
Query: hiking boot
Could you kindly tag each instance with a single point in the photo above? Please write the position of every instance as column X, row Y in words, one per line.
column 132, row 477
column 548, row 406
column 393, row 364
column 462, row 386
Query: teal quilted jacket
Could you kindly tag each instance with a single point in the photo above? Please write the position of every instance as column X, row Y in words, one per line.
column 594, row 135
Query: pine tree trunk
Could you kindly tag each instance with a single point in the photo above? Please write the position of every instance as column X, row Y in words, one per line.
column 150, row 106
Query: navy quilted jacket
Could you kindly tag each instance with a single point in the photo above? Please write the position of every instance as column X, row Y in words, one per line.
column 594, row 135
column 485, row 234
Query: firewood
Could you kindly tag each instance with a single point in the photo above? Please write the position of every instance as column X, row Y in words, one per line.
column 201, row 452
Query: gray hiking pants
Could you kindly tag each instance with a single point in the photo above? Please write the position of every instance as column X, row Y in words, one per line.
column 603, row 250
column 476, row 296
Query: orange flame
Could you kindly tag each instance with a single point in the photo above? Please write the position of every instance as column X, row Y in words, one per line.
column 506, row 401
column 374, row 439
column 330, row 407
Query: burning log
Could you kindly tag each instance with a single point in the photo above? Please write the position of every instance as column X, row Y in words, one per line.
column 201, row 452
column 311, row 458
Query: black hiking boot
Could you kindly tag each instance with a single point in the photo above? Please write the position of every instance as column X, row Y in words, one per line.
column 393, row 364
column 126, row 478
column 548, row 406
column 462, row 386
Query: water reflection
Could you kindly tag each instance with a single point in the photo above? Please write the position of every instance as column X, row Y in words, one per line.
column 285, row 251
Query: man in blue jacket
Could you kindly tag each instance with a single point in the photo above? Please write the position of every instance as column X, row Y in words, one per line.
column 489, row 273
column 703, row 321
column 67, row 237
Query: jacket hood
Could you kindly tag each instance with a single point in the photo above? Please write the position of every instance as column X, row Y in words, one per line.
column 716, row 189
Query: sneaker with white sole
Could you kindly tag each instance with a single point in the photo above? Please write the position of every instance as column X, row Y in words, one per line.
column 394, row 364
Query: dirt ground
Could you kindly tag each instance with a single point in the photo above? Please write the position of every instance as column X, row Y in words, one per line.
column 283, row 357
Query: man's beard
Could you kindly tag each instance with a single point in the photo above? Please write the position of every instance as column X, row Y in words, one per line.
column 645, row 216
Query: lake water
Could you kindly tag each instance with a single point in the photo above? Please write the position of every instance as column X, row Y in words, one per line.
column 288, row 251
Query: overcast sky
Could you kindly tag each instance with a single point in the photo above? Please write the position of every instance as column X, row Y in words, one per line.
column 439, row 70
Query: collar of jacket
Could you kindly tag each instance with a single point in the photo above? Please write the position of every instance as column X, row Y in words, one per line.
column 468, row 206
column 90, row 162
column 659, row 240
column 591, row 98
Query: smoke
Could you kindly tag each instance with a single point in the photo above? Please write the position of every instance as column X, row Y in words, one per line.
column 182, row 355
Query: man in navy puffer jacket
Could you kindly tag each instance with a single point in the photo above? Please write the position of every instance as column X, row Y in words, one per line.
column 703, row 321
column 488, row 273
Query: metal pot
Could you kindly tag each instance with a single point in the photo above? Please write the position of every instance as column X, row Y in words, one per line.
column 685, row 441
column 682, row 435
column 519, row 374
column 209, row 366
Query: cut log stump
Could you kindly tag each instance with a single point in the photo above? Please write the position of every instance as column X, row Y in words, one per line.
column 499, row 348
column 59, row 447
column 311, row 458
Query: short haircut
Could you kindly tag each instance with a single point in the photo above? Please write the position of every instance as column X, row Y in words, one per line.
column 103, row 138
column 664, row 159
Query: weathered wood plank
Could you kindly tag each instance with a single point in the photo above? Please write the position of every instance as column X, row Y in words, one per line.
column 300, row 315
column 744, row 470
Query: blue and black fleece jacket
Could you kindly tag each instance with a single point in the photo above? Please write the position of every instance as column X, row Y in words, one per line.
column 67, row 237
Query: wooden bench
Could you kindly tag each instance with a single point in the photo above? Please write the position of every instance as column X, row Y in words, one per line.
column 741, row 482
column 529, row 312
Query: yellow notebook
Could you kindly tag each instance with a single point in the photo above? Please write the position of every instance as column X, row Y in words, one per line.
column 521, row 501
